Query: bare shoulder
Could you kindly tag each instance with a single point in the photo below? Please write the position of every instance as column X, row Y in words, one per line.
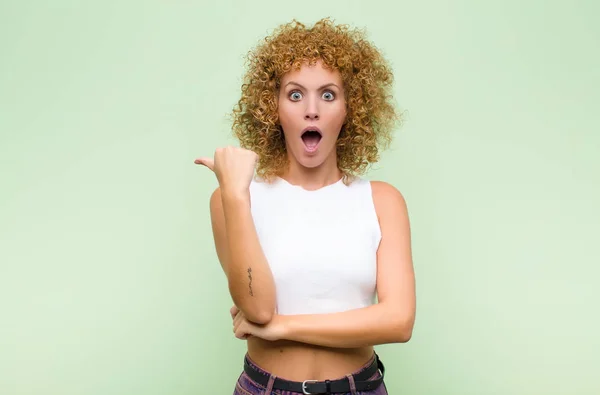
column 395, row 273
column 388, row 200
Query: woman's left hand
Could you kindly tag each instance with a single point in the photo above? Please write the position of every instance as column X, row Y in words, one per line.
column 243, row 329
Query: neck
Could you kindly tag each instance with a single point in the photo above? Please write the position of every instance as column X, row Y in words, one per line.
column 312, row 178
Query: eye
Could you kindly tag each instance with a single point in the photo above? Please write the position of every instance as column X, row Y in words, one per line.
column 328, row 96
column 295, row 95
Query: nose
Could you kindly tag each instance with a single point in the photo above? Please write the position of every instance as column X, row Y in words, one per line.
column 312, row 112
column 311, row 116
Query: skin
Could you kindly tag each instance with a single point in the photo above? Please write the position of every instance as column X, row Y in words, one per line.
column 311, row 96
column 327, row 346
column 249, row 277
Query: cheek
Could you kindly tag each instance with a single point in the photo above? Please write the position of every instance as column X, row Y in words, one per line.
column 339, row 115
column 285, row 112
column 343, row 117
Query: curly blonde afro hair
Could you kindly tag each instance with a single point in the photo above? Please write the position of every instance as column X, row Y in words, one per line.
column 367, row 78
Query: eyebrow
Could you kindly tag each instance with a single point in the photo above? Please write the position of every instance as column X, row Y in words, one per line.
column 321, row 87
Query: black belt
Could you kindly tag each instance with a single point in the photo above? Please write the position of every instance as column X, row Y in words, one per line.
column 361, row 381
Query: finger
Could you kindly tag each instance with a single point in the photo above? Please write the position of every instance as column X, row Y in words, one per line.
column 238, row 329
column 241, row 335
column 233, row 311
column 208, row 162
column 242, row 332
column 237, row 321
column 238, row 318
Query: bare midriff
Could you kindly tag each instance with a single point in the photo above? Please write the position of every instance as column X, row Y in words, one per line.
column 299, row 361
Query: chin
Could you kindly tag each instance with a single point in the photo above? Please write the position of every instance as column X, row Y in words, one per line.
column 308, row 161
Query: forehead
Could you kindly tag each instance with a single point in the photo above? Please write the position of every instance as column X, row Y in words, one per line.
column 312, row 76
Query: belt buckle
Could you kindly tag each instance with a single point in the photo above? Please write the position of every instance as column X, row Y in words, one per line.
column 304, row 391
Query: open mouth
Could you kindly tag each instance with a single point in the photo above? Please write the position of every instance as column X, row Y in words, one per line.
column 311, row 139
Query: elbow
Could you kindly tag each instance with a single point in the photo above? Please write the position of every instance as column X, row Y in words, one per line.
column 403, row 330
column 261, row 317
column 257, row 315
column 404, row 336
column 259, row 312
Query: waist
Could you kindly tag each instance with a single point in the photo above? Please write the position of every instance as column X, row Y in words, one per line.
column 297, row 361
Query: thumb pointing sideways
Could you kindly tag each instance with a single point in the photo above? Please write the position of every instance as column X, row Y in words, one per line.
column 208, row 162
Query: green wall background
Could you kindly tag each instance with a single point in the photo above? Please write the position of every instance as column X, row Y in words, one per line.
column 109, row 284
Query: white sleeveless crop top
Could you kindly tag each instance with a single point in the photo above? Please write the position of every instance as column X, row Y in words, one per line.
column 321, row 245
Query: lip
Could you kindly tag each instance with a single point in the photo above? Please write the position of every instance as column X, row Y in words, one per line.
column 312, row 151
column 315, row 128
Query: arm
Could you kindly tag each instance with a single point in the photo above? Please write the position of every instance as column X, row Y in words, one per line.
column 392, row 319
column 249, row 277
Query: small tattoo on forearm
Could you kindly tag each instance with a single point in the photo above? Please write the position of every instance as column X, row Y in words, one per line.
column 250, row 283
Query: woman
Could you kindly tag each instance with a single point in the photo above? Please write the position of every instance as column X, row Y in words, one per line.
column 306, row 244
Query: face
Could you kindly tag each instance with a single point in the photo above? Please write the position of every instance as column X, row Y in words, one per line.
column 312, row 110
